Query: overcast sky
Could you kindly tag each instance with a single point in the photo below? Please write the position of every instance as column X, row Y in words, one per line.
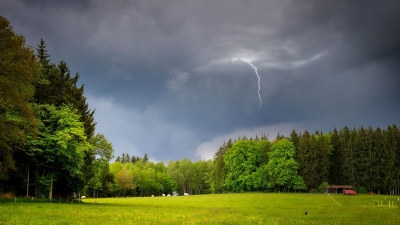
column 173, row 79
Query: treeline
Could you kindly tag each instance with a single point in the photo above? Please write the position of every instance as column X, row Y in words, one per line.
column 140, row 177
column 368, row 159
column 48, row 144
column 126, row 158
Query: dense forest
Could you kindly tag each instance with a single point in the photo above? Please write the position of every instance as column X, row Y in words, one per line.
column 368, row 159
column 49, row 147
column 48, row 143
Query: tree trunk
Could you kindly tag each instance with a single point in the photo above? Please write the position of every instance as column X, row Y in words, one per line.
column 36, row 190
column 51, row 189
column 27, row 184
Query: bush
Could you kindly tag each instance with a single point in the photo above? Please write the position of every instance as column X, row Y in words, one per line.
column 321, row 187
column 361, row 190
column 7, row 195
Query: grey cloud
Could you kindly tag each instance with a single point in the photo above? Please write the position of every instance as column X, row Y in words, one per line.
column 167, row 68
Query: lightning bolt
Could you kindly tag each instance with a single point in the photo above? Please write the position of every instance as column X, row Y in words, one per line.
column 258, row 76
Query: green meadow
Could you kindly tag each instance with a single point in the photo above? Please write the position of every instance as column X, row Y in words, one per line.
column 247, row 208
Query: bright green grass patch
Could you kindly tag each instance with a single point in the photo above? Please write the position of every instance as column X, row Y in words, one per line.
column 251, row 208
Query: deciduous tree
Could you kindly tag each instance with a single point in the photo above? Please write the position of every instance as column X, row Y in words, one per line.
column 17, row 70
column 282, row 167
column 243, row 161
column 62, row 142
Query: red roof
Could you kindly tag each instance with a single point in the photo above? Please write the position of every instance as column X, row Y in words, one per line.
column 349, row 192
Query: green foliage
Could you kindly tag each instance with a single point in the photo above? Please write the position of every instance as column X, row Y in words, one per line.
column 361, row 190
column 219, row 171
column 282, row 167
column 321, row 187
column 142, row 178
column 63, row 121
column 124, row 180
column 61, row 143
column 364, row 158
column 192, row 178
column 299, row 184
column 245, row 162
column 259, row 179
column 55, row 86
column 316, row 149
column 125, row 158
column 17, row 68
column 96, row 171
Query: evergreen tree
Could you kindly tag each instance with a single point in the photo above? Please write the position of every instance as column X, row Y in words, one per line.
column 336, row 160
column 362, row 151
column 43, row 56
column 349, row 158
column 55, row 86
column 295, row 139
column 372, row 180
column 391, row 148
column 322, row 157
column 145, row 158
column 304, row 157
column 123, row 158
column 45, row 70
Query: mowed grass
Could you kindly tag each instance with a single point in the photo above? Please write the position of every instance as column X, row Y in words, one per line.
column 247, row 208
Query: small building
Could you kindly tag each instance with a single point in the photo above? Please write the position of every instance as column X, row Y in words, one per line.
column 337, row 189
column 349, row 192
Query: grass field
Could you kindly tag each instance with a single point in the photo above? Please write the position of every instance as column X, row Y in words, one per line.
column 251, row 208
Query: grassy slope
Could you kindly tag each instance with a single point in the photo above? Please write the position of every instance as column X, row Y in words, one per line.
column 209, row 209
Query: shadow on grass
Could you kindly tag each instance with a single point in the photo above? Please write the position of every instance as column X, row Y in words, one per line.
column 39, row 200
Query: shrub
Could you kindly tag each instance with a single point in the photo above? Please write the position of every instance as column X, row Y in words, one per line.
column 7, row 195
column 321, row 187
column 361, row 190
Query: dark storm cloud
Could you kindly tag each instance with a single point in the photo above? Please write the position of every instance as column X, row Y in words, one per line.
column 167, row 79
column 361, row 31
column 78, row 5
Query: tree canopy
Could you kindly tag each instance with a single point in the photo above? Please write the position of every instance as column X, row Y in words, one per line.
column 45, row 121
column 61, row 145
column 282, row 167
column 245, row 161
column 17, row 70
